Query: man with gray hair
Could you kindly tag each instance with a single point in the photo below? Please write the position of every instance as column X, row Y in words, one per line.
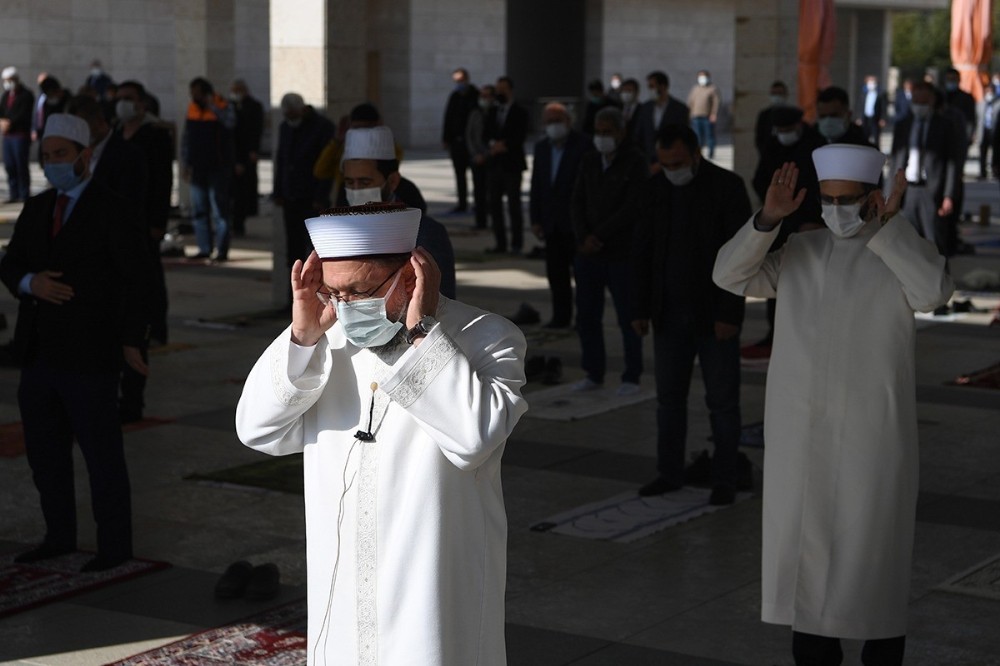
column 605, row 208
column 301, row 138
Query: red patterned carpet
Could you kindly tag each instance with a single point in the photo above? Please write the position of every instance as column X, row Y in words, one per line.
column 24, row 586
column 273, row 638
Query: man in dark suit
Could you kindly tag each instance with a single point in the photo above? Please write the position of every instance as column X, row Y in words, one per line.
column 246, row 143
column 606, row 200
column 17, row 105
column 833, row 119
column 462, row 100
column 873, row 113
column 763, row 128
column 76, row 264
column 506, row 132
column 686, row 218
column 120, row 166
column 557, row 161
column 924, row 147
column 657, row 113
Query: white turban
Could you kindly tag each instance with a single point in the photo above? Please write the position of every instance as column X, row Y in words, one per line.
column 358, row 231
column 841, row 161
column 369, row 143
column 69, row 127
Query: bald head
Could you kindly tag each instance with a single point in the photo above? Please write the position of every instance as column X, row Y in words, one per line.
column 554, row 112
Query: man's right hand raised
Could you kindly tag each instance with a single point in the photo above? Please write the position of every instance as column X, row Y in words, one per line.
column 45, row 287
column 311, row 319
column 780, row 200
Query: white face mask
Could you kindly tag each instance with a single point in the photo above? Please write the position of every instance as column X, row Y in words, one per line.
column 832, row 127
column 788, row 138
column 777, row 100
column 605, row 144
column 702, row 80
column 365, row 322
column 8, row 85
column 627, row 97
column 922, row 111
column 364, row 195
column 556, row 131
column 125, row 110
column 844, row 221
column 679, row 177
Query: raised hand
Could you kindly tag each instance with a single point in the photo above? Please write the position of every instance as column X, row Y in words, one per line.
column 781, row 199
column 426, row 292
column 886, row 209
column 311, row 319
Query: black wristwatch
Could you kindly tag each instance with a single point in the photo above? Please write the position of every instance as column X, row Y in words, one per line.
column 421, row 328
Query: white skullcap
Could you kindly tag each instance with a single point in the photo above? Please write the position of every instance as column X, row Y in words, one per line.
column 841, row 161
column 9, row 72
column 292, row 101
column 369, row 143
column 69, row 127
column 358, row 231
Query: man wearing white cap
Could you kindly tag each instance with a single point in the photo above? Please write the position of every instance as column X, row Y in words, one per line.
column 371, row 173
column 77, row 263
column 17, row 105
column 401, row 401
column 840, row 474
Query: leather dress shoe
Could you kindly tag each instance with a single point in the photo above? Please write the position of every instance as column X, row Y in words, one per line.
column 233, row 583
column 103, row 563
column 264, row 583
column 42, row 552
column 658, row 486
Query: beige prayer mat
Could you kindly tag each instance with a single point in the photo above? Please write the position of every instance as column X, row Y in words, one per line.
column 627, row 517
column 982, row 580
column 562, row 403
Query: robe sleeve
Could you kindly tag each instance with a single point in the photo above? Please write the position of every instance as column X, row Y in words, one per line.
column 744, row 266
column 285, row 382
column 915, row 262
column 464, row 392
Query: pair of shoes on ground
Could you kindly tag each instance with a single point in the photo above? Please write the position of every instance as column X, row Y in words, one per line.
column 242, row 579
column 722, row 495
column 47, row 551
column 699, row 472
column 624, row 390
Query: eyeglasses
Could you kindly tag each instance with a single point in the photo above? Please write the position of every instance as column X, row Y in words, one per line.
column 330, row 298
column 841, row 201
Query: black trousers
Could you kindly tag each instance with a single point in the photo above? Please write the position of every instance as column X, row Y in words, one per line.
column 812, row 650
column 560, row 250
column 460, row 161
column 297, row 243
column 245, row 197
column 57, row 406
column 502, row 184
column 480, row 195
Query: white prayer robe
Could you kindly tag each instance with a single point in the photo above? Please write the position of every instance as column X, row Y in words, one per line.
column 406, row 535
column 840, row 420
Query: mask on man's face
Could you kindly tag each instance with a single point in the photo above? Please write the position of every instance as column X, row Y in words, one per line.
column 789, row 138
column 703, row 80
column 294, row 122
column 605, row 144
column 832, row 127
column 778, row 100
column 8, row 85
column 63, row 175
column 679, row 177
column 627, row 97
column 363, row 195
column 556, row 131
column 125, row 110
column 843, row 220
column 366, row 323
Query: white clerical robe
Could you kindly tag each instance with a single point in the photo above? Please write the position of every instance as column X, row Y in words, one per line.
column 406, row 534
column 840, row 420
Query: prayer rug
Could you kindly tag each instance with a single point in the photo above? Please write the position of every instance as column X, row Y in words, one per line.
column 562, row 403
column 987, row 378
column 982, row 580
column 278, row 473
column 24, row 586
column 273, row 638
column 627, row 517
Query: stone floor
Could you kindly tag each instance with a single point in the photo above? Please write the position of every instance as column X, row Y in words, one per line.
column 689, row 595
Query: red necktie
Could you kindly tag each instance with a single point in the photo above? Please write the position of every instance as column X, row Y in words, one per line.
column 57, row 217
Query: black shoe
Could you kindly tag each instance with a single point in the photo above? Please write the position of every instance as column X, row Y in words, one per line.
column 553, row 371
column 526, row 315
column 220, row 258
column 200, row 255
column 233, row 583
column 264, row 583
column 722, row 496
column 744, row 472
column 43, row 552
column 103, row 563
column 658, row 486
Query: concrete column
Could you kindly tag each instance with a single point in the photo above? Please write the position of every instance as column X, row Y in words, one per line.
column 766, row 50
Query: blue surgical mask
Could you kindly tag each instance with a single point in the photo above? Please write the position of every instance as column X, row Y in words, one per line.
column 63, row 175
column 365, row 322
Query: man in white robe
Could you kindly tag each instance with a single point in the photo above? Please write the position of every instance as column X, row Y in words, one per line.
column 401, row 401
column 840, row 473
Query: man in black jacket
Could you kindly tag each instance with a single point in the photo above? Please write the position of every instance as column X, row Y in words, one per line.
column 246, row 140
column 687, row 216
column 924, row 147
column 664, row 109
column 17, row 106
column 557, row 162
column 462, row 100
column 76, row 263
column 506, row 132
